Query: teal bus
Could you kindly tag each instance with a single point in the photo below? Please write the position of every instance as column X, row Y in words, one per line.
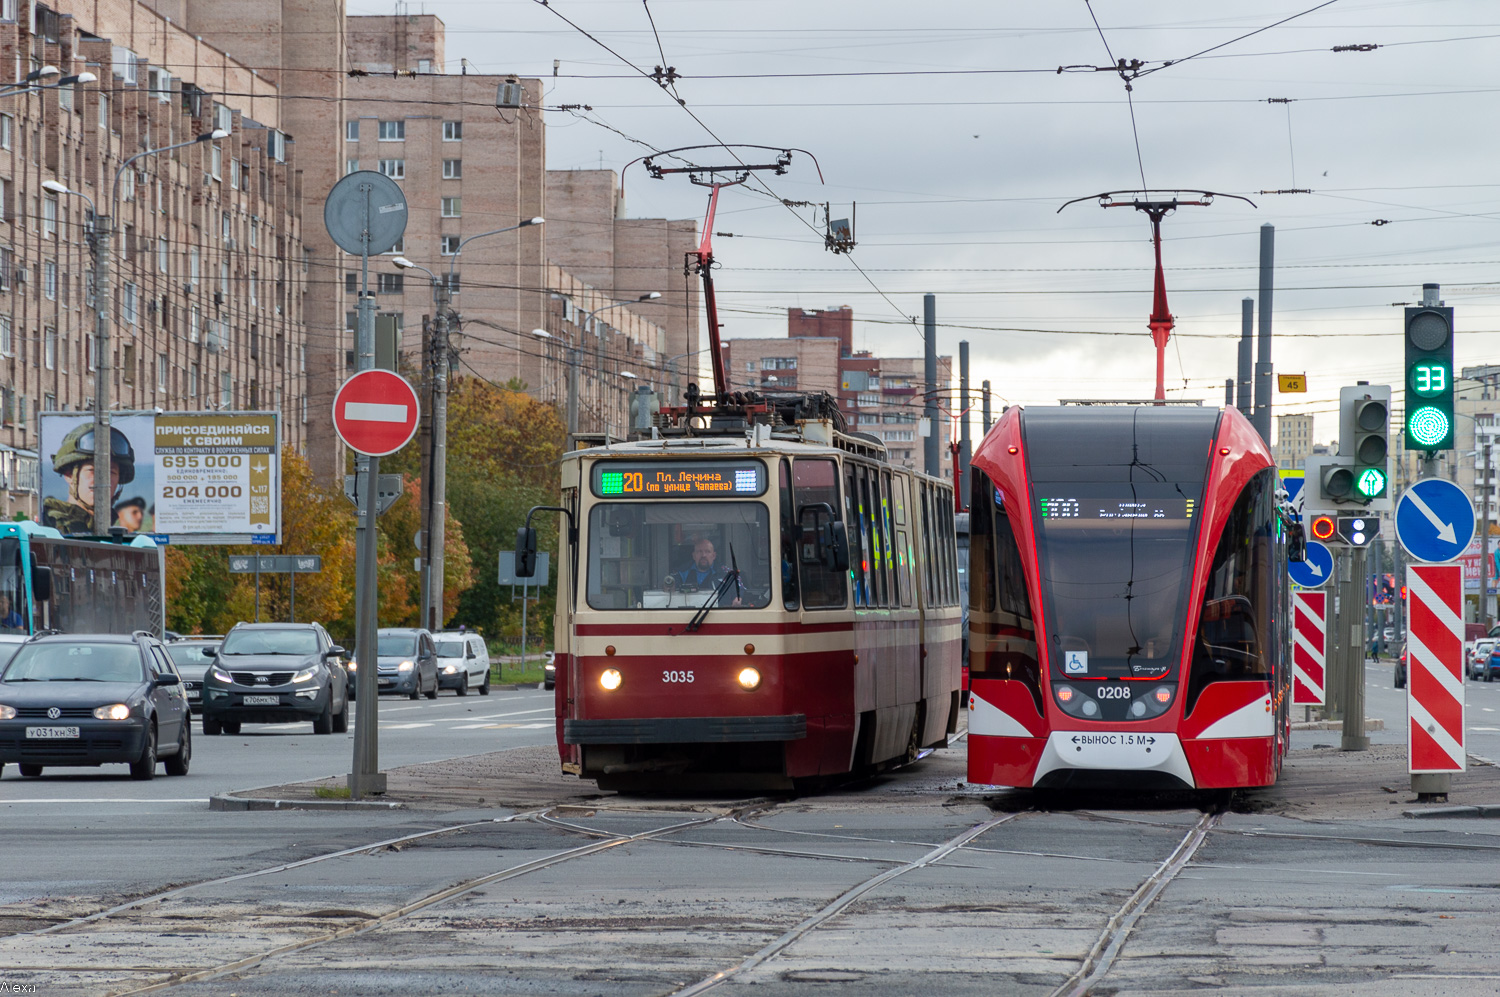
column 79, row 584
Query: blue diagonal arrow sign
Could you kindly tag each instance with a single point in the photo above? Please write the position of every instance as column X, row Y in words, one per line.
column 1316, row 570
column 1435, row 520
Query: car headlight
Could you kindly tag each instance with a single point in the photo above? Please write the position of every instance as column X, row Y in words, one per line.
column 354, row 666
column 7, row 712
column 222, row 675
column 450, row 669
column 405, row 666
column 114, row 711
column 609, row 679
column 306, row 674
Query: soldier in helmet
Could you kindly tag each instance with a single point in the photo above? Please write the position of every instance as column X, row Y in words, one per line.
column 74, row 460
column 131, row 513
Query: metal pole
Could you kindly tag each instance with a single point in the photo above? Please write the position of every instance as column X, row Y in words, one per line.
column 1354, row 737
column 103, row 493
column 988, row 422
column 292, row 612
column 1263, row 366
column 1338, row 614
column 965, row 445
column 1229, row 392
column 1485, row 616
column 572, row 395
column 366, row 778
column 257, row 589
column 931, row 461
column 1246, row 371
column 523, row 624
column 437, row 517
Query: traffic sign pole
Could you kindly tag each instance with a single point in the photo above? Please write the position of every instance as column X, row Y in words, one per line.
column 1354, row 737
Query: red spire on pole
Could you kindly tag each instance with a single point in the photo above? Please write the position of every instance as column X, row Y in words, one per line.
column 1161, row 321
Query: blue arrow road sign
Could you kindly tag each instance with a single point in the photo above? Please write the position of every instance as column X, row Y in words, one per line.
column 1435, row 520
column 1316, row 570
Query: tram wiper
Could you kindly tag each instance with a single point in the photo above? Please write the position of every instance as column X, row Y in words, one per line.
column 732, row 575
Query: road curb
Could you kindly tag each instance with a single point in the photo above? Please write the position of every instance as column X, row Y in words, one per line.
column 1370, row 724
column 1481, row 810
column 226, row 802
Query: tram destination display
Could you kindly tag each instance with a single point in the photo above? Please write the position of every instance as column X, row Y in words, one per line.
column 1084, row 507
column 679, row 479
column 180, row 477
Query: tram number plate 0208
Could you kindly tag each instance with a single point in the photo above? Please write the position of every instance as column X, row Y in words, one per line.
column 675, row 676
column 1114, row 691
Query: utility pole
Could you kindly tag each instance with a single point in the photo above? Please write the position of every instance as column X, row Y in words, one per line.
column 437, row 509
column 1245, row 401
column 1485, row 616
column 103, row 493
column 931, row 461
column 1354, row 737
column 965, row 444
column 988, row 422
column 1263, row 366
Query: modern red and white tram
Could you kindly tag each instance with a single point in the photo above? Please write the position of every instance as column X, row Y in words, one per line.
column 1129, row 601
column 752, row 606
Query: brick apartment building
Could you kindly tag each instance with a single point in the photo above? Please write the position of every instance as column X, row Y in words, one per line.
column 882, row 396
column 208, row 271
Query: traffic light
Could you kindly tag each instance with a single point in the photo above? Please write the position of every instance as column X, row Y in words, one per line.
column 1358, row 531
column 1323, row 528
column 1368, row 410
column 1429, row 377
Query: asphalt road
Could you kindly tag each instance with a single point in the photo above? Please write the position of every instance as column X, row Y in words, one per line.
column 268, row 754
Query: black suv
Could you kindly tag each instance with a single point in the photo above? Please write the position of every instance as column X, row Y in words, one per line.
column 276, row 673
column 92, row 699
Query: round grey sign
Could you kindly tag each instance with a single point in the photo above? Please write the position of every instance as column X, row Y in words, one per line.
column 365, row 213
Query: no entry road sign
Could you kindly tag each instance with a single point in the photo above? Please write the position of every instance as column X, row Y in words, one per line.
column 1434, row 669
column 375, row 412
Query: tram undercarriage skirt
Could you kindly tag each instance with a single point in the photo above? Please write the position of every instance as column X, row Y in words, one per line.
column 685, row 730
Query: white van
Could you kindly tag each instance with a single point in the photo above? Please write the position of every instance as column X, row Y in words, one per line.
column 463, row 662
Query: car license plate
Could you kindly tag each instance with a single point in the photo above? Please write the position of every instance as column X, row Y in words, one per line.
column 262, row 700
column 51, row 732
column 193, row 694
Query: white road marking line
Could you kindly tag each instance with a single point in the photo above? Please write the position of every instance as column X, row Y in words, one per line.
column 402, row 726
column 517, row 713
column 105, row 799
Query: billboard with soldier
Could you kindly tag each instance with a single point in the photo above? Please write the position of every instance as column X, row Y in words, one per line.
column 182, row 477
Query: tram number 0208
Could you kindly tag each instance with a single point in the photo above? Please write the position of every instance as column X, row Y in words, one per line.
column 1114, row 692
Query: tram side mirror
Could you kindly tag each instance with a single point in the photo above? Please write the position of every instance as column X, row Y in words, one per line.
column 835, row 544
column 526, row 552
column 41, row 581
column 1296, row 543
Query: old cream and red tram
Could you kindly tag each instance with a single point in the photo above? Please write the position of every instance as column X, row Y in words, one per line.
column 752, row 607
column 1129, row 600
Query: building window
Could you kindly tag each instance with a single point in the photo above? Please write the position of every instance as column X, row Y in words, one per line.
column 424, row 65
column 226, row 391
column 7, row 128
column 193, row 371
column 49, row 280
column 394, row 168
column 234, row 174
column 453, row 207
column 195, row 322
column 254, row 233
column 392, row 131
column 103, row 111
column 351, row 131
column 163, row 371
column 778, row 363
column 453, row 131
column 450, row 245
column 193, row 266
column 224, row 279
column 128, row 303
column 226, row 227
column 253, row 289
column 351, row 283
column 452, row 280
column 389, row 283
column 868, row 398
column 351, row 166
column 453, row 169
column 163, row 254
column 49, row 349
column 216, row 163
column 49, row 217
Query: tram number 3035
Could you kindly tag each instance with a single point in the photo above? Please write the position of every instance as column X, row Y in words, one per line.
column 1114, row 692
column 673, row 676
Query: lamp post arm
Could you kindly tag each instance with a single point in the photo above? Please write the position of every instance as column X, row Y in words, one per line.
column 114, row 195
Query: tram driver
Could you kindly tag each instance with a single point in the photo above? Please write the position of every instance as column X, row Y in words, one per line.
column 706, row 573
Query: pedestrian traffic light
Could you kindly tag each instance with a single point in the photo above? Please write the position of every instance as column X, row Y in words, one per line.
column 1358, row 531
column 1429, row 377
column 1364, row 433
column 1324, row 527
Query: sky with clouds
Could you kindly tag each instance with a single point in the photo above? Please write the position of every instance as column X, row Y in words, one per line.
column 951, row 127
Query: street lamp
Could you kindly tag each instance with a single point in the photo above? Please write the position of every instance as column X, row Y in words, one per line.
column 439, row 371
column 100, row 250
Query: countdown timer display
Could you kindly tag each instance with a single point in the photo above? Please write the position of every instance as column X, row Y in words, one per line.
column 1428, row 379
column 678, row 479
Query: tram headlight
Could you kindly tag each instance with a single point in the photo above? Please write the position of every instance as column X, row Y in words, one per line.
column 749, row 678
column 1075, row 702
column 609, row 679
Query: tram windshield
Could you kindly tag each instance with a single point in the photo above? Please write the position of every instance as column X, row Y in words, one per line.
column 675, row 555
column 1116, row 514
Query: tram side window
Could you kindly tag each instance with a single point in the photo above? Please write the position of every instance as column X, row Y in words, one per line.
column 929, row 547
column 946, row 539
column 1002, row 641
column 869, row 484
column 1234, row 638
column 892, row 542
column 815, row 488
column 790, row 532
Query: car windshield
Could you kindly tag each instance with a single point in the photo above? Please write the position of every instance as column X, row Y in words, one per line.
column 449, row 648
column 675, row 555
column 188, row 654
column 69, row 662
column 299, row 642
column 396, row 645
